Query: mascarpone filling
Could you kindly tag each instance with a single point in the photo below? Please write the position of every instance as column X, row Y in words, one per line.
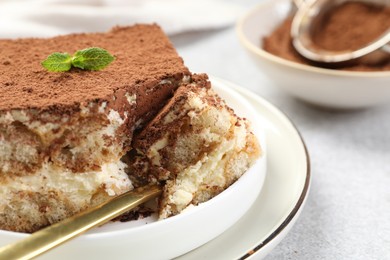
column 78, row 187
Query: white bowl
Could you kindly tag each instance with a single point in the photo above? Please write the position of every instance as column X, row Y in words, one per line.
column 323, row 87
column 169, row 238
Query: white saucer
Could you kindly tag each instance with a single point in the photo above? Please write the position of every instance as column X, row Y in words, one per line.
column 283, row 195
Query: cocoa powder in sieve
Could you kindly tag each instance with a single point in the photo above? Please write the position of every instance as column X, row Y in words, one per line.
column 348, row 26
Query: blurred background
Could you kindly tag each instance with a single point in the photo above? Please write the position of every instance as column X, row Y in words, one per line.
column 348, row 210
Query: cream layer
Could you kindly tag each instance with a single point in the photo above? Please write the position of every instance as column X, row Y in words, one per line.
column 79, row 188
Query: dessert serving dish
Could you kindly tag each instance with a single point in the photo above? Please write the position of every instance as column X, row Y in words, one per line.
column 186, row 231
column 331, row 88
column 263, row 213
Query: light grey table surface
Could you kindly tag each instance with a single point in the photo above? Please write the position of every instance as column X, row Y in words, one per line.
column 347, row 214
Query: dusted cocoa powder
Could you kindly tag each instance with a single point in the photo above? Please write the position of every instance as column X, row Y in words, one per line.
column 144, row 57
column 348, row 26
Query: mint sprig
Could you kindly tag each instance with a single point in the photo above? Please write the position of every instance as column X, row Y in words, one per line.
column 93, row 58
column 58, row 62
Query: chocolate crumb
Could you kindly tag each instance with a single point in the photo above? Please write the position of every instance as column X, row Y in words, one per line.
column 138, row 213
column 28, row 89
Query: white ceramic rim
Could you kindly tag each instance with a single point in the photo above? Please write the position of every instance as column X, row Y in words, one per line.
column 306, row 187
column 298, row 206
column 257, row 50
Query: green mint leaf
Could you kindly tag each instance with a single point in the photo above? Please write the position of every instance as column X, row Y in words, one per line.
column 58, row 62
column 92, row 59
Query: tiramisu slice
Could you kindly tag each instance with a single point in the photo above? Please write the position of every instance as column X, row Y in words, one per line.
column 62, row 134
column 196, row 146
column 72, row 139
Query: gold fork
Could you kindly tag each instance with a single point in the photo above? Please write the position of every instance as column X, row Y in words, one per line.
column 56, row 234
